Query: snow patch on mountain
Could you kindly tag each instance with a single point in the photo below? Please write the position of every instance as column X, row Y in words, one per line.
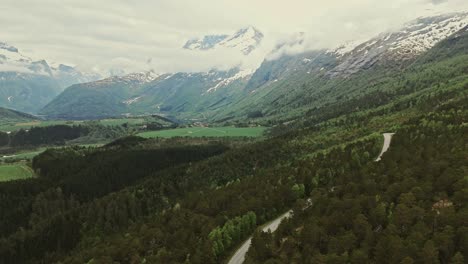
column 423, row 36
column 138, row 77
column 132, row 100
column 224, row 82
column 245, row 40
column 205, row 43
column 345, row 48
column 405, row 44
column 12, row 60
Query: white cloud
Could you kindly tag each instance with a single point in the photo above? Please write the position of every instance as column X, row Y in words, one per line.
column 103, row 35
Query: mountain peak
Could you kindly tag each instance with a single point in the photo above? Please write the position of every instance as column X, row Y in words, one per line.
column 207, row 42
column 245, row 40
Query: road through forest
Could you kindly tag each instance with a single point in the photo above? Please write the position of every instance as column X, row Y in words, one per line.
column 239, row 256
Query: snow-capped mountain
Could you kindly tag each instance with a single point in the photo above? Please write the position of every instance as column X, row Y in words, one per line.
column 397, row 47
column 242, row 74
column 245, row 40
column 27, row 84
column 214, row 92
column 207, row 42
column 132, row 79
column 12, row 60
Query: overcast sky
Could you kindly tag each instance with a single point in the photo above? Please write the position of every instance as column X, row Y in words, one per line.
column 148, row 34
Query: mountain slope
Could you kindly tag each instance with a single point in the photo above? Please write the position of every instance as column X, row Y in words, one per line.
column 100, row 99
column 396, row 49
column 170, row 94
column 289, row 87
column 12, row 116
column 285, row 87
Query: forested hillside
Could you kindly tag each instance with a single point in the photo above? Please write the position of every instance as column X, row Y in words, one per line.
column 195, row 200
column 409, row 208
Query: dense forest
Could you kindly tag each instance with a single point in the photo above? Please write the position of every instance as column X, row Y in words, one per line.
column 409, row 208
column 186, row 200
column 198, row 211
column 58, row 135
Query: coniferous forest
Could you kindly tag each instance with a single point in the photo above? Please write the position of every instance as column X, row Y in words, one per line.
column 196, row 200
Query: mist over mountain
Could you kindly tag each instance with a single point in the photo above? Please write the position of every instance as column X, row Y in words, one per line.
column 233, row 93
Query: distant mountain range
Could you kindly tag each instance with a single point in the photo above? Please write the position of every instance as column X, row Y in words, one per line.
column 28, row 85
column 283, row 88
column 12, row 116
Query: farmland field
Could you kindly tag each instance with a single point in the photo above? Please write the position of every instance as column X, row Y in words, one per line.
column 24, row 154
column 206, row 132
column 15, row 171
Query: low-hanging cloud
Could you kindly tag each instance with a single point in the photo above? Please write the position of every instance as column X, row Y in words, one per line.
column 148, row 35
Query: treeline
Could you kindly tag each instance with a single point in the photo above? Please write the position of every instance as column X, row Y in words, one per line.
column 47, row 214
column 411, row 207
column 58, row 135
column 99, row 172
column 36, row 136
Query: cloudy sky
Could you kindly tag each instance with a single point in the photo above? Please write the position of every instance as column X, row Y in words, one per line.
column 148, row 34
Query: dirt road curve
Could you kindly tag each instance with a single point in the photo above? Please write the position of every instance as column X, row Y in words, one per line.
column 386, row 145
column 239, row 256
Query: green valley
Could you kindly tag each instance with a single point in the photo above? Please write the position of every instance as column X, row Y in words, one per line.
column 206, row 132
column 354, row 154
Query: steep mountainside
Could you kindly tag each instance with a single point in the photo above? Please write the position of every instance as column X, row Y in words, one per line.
column 398, row 48
column 286, row 88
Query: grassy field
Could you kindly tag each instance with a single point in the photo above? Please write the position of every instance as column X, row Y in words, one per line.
column 24, row 155
column 15, row 171
column 206, row 132
column 27, row 155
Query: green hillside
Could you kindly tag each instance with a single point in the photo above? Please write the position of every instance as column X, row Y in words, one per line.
column 26, row 92
column 195, row 200
column 9, row 116
column 182, row 95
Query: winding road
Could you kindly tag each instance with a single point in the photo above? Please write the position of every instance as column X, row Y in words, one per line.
column 386, row 145
column 239, row 256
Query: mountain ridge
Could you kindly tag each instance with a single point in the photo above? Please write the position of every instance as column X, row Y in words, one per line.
column 244, row 40
column 286, row 80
